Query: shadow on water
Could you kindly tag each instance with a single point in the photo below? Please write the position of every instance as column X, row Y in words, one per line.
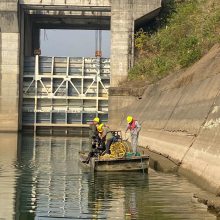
column 41, row 179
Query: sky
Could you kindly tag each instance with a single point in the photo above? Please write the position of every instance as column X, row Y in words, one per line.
column 72, row 43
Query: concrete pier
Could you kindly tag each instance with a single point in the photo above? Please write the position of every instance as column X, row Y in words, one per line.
column 9, row 65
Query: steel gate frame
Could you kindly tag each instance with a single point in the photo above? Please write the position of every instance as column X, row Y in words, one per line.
column 67, row 86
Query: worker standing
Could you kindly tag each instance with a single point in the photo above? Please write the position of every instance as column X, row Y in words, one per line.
column 134, row 128
column 106, row 136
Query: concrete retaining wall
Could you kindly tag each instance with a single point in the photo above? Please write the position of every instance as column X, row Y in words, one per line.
column 180, row 119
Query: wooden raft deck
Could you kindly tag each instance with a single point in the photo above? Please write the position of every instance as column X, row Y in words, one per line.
column 134, row 163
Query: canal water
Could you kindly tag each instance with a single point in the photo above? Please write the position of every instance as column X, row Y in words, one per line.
column 41, row 178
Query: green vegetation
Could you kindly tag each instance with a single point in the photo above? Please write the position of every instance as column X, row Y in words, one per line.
column 181, row 34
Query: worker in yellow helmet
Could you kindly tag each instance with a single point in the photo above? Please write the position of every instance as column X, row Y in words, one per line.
column 94, row 138
column 134, row 128
column 106, row 136
column 96, row 120
column 93, row 133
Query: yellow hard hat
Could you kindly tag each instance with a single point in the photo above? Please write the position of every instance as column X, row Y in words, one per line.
column 96, row 119
column 129, row 119
column 99, row 128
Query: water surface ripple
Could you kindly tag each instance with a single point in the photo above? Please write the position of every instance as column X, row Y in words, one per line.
column 41, row 178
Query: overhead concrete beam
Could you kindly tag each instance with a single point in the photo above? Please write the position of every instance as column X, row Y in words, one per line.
column 144, row 7
column 125, row 14
column 71, row 22
column 64, row 8
column 67, row 2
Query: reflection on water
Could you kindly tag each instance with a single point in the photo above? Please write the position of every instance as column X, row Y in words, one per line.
column 42, row 179
column 8, row 174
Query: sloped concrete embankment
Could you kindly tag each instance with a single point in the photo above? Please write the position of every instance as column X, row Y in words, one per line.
column 180, row 119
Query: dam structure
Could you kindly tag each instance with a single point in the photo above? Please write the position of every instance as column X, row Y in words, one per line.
column 37, row 91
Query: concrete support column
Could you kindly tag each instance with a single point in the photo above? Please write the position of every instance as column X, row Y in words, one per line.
column 124, row 13
column 122, row 29
column 9, row 65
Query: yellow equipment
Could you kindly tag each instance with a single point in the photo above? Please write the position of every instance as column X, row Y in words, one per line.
column 118, row 150
column 129, row 119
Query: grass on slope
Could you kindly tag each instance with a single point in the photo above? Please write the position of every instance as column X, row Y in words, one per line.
column 181, row 35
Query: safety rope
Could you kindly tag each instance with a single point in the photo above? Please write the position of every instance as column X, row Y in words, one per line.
column 117, row 149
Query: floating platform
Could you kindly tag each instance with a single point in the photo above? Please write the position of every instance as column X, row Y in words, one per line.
column 133, row 163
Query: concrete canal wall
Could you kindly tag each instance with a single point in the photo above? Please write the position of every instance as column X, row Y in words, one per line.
column 180, row 119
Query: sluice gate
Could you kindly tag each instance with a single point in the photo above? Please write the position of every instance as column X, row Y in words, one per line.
column 64, row 92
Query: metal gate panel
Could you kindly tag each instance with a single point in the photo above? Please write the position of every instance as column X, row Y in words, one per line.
column 65, row 91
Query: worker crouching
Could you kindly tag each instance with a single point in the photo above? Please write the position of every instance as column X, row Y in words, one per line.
column 93, row 133
column 105, row 136
column 96, row 147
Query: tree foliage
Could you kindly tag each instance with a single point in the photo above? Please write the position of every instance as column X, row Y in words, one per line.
column 178, row 37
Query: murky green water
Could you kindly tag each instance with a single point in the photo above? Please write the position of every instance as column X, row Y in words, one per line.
column 41, row 178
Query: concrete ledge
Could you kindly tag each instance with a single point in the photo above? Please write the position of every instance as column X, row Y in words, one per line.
column 159, row 161
column 123, row 91
column 166, row 142
column 212, row 202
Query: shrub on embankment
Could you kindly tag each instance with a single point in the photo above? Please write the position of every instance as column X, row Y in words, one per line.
column 182, row 33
